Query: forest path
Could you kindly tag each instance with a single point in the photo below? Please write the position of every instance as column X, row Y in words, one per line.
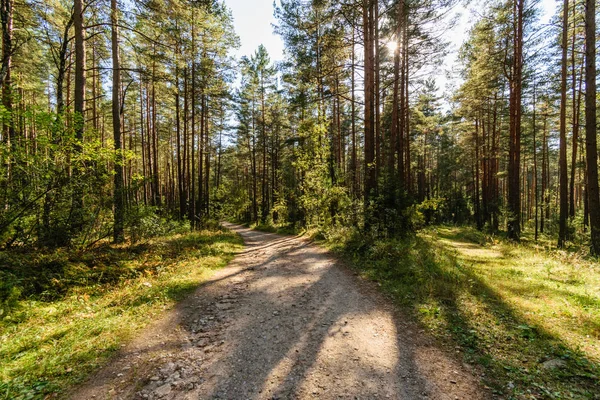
column 283, row 321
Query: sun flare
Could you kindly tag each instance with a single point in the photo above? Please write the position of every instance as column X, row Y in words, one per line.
column 392, row 46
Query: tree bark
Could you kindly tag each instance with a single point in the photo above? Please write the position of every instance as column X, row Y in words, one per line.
column 478, row 219
column 192, row 201
column 118, row 194
column 535, row 165
column 353, row 158
column 514, row 164
column 564, row 199
column 590, row 126
column 79, row 109
column 180, row 182
column 370, row 178
column 575, row 116
column 6, row 17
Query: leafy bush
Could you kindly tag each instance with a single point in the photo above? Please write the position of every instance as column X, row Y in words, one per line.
column 434, row 210
column 392, row 214
column 145, row 222
column 10, row 291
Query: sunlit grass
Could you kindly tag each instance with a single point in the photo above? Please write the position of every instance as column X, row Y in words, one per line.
column 556, row 290
column 47, row 346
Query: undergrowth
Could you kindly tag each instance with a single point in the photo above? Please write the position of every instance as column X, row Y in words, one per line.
column 70, row 310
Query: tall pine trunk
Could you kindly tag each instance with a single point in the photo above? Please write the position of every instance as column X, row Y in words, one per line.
column 6, row 17
column 590, row 126
column 535, row 164
column 119, row 203
column 370, row 179
column 79, row 109
column 563, row 190
column 514, row 163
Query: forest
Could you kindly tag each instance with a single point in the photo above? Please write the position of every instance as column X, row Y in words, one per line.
column 130, row 131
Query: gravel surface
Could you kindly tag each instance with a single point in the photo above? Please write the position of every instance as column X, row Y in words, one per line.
column 283, row 321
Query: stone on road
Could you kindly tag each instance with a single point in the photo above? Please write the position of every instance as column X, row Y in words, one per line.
column 283, row 321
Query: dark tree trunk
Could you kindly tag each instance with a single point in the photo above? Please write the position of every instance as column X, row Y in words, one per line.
column 354, row 160
column 143, row 140
column 79, row 109
column 478, row 218
column 119, row 203
column 395, row 128
column 376, row 89
column 564, row 194
column 370, row 178
column 180, row 180
column 576, row 106
column 6, row 17
column 192, row 201
column 514, row 163
column 590, row 126
column 535, row 164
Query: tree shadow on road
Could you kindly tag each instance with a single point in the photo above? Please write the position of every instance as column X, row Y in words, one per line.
column 314, row 322
column 454, row 303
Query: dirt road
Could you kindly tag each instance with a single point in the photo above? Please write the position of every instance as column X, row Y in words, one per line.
column 283, row 321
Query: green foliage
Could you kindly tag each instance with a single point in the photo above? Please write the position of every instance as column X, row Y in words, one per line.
column 143, row 222
column 434, row 211
column 39, row 206
column 10, row 292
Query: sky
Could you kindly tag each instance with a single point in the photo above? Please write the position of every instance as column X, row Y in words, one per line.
column 253, row 21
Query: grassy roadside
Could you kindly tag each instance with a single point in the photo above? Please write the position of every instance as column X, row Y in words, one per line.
column 54, row 339
column 527, row 317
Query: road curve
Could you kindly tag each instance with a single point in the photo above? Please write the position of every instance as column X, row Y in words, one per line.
column 283, row 321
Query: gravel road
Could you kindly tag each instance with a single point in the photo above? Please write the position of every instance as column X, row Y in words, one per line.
column 285, row 320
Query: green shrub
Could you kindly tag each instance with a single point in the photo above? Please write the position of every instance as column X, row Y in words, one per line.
column 434, row 210
column 10, row 292
column 145, row 222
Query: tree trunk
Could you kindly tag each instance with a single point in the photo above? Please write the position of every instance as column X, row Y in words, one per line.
column 564, row 199
column 395, row 123
column 376, row 89
column 143, row 141
column 186, row 147
column 119, row 204
column 535, row 166
column 180, row 182
column 155, row 172
column 370, row 178
column 207, row 152
column 575, row 111
column 192, row 201
column 478, row 218
column 354, row 161
column 6, row 16
column 264, row 202
column 514, row 164
column 590, row 126
column 79, row 109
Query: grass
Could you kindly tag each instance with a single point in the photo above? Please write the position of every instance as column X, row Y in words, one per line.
column 527, row 317
column 69, row 324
